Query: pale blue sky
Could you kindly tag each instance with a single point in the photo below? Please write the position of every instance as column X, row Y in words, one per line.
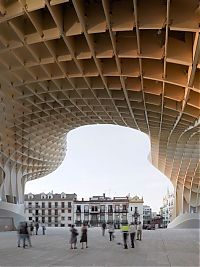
column 106, row 159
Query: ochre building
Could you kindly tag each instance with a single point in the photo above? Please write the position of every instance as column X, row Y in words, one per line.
column 68, row 63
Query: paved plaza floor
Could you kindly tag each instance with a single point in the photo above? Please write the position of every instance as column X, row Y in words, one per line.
column 163, row 247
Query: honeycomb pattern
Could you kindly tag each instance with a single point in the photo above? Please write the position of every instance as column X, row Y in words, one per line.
column 66, row 63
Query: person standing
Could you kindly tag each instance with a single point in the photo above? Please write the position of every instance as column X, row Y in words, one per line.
column 103, row 228
column 84, row 236
column 36, row 227
column 19, row 233
column 125, row 230
column 74, row 234
column 132, row 231
column 111, row 231
column 43, row 228
column 24, row 234
column 139, row 231
column 31, row 228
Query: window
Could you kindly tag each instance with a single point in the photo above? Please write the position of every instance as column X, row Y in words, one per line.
column 30, row 211
column 36, row 205
column 56, row 212
column 63, row 218
column 136, row 209
column 117, row 208
column 36, row 212
column 102, row 208
column 69, row 218
column 69, row 205
column 49, row 212
column 86, row 208
column 30, row 204
column 43, row 205
column 69, row 211
column 43, row 219
column 49, row 205
column 56, row 219
column 62, row 196
column 30, row 218
column 62, row 205
column 56, row 204
column 49, row 219
column 131, row 209
column 110, row 208
column 94, row 208
column 56, row 225
column 63, row 211
column 124, row 208
column 43, row 212
column 78, row 208
column 36, row 219
column 62, row 225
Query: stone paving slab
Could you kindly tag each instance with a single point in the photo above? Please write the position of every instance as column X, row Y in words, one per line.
column 163, row 247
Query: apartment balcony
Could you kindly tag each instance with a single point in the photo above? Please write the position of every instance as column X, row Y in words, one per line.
column 94, row 211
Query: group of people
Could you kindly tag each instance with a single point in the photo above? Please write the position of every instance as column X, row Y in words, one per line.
column 24, row 232
column 126, row 229
column 134, row 230
column 74, row 234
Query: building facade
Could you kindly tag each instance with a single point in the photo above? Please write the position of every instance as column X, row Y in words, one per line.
column 147, row 215
column 166, row 210
column 99, row 209
column 52, row 209
column 135, row 210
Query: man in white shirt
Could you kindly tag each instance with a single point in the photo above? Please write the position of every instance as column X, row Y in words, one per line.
column 139, row 231
column 132, row 231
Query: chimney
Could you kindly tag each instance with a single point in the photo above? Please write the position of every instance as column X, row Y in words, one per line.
column 104, row 195
column 82, row 199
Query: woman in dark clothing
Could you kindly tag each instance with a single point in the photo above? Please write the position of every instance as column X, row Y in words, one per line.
column 84, row 235
column 74, row 234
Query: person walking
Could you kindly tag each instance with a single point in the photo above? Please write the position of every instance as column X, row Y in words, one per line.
column 74, row 234
column 31, row 227
column 36, row 228
column 43, row 228
column 132, row 231
column 111, row 231
column 19, row 233
column 139, row 231
column 84, row 236
column 125, row 231
column 103, row 228
column 24, row 234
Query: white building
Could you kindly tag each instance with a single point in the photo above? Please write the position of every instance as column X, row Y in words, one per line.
column 135, row 210
column 167, row 208
column 147, row 215
column 51, row 209
column 99, row 209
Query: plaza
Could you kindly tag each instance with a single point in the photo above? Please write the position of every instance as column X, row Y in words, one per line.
column 164, row 247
